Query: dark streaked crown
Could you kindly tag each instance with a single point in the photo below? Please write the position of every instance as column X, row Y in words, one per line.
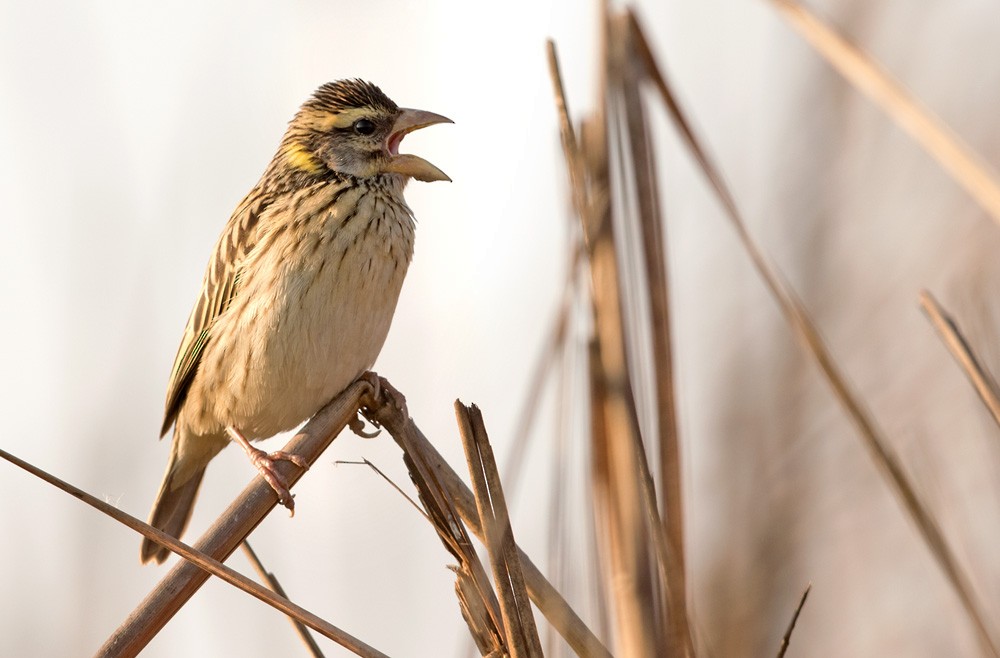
column 349, row 94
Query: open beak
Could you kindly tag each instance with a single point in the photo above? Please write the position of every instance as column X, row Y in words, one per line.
column 404, row 163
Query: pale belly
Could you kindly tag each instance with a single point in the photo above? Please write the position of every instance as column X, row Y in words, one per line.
column 306, row 324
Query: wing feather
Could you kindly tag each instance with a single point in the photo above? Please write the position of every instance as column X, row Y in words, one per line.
column 218, row 289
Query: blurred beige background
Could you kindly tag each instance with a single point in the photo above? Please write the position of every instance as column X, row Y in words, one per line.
column 128, row 132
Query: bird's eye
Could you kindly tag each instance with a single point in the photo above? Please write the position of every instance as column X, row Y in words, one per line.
column 364, row 127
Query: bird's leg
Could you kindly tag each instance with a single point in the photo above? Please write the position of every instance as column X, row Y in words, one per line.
column 384, row 394
column 265, row 465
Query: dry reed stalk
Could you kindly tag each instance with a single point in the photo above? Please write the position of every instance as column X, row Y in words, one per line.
column 964, row 165
column 272, row 581
column 786, row 638
column 126, row 645
column 636, row 590
column 232, row 528
column 391, row 415
column 646, row 188
column 647, row 194
column 625, row 505
column 515, row 607
column 981, row 379
column 879, row 449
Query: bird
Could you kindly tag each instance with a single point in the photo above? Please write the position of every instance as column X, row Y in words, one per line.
column 299, row 291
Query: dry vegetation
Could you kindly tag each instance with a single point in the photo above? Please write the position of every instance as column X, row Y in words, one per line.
column 617, row 295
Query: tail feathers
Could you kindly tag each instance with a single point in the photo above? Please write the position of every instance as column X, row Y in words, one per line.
column 171, row 511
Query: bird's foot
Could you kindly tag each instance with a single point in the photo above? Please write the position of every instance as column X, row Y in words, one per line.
column 384, row 397
column 265, row 464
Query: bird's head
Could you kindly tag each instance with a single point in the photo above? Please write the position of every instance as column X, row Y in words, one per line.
column 351, row 127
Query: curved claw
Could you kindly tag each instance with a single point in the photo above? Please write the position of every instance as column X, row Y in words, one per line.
column 358, row 427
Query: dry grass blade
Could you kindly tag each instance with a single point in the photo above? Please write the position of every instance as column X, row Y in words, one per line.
column 786, row 638
column 960, row 161
column 399, row 490
column 515, row 607
column 123, row 644
column 233, row 526
column 981, row 379
column 272, row 582
column 872, row 437
column 550, row 603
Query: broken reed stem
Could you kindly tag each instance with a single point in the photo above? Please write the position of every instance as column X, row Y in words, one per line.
column 879, row 449
column 515, row 608
column 476, row 598
column 960, row 349
column 791, row 625
column 964, row 165
column 548, row 600
column 272, row 581
column 231, row 528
